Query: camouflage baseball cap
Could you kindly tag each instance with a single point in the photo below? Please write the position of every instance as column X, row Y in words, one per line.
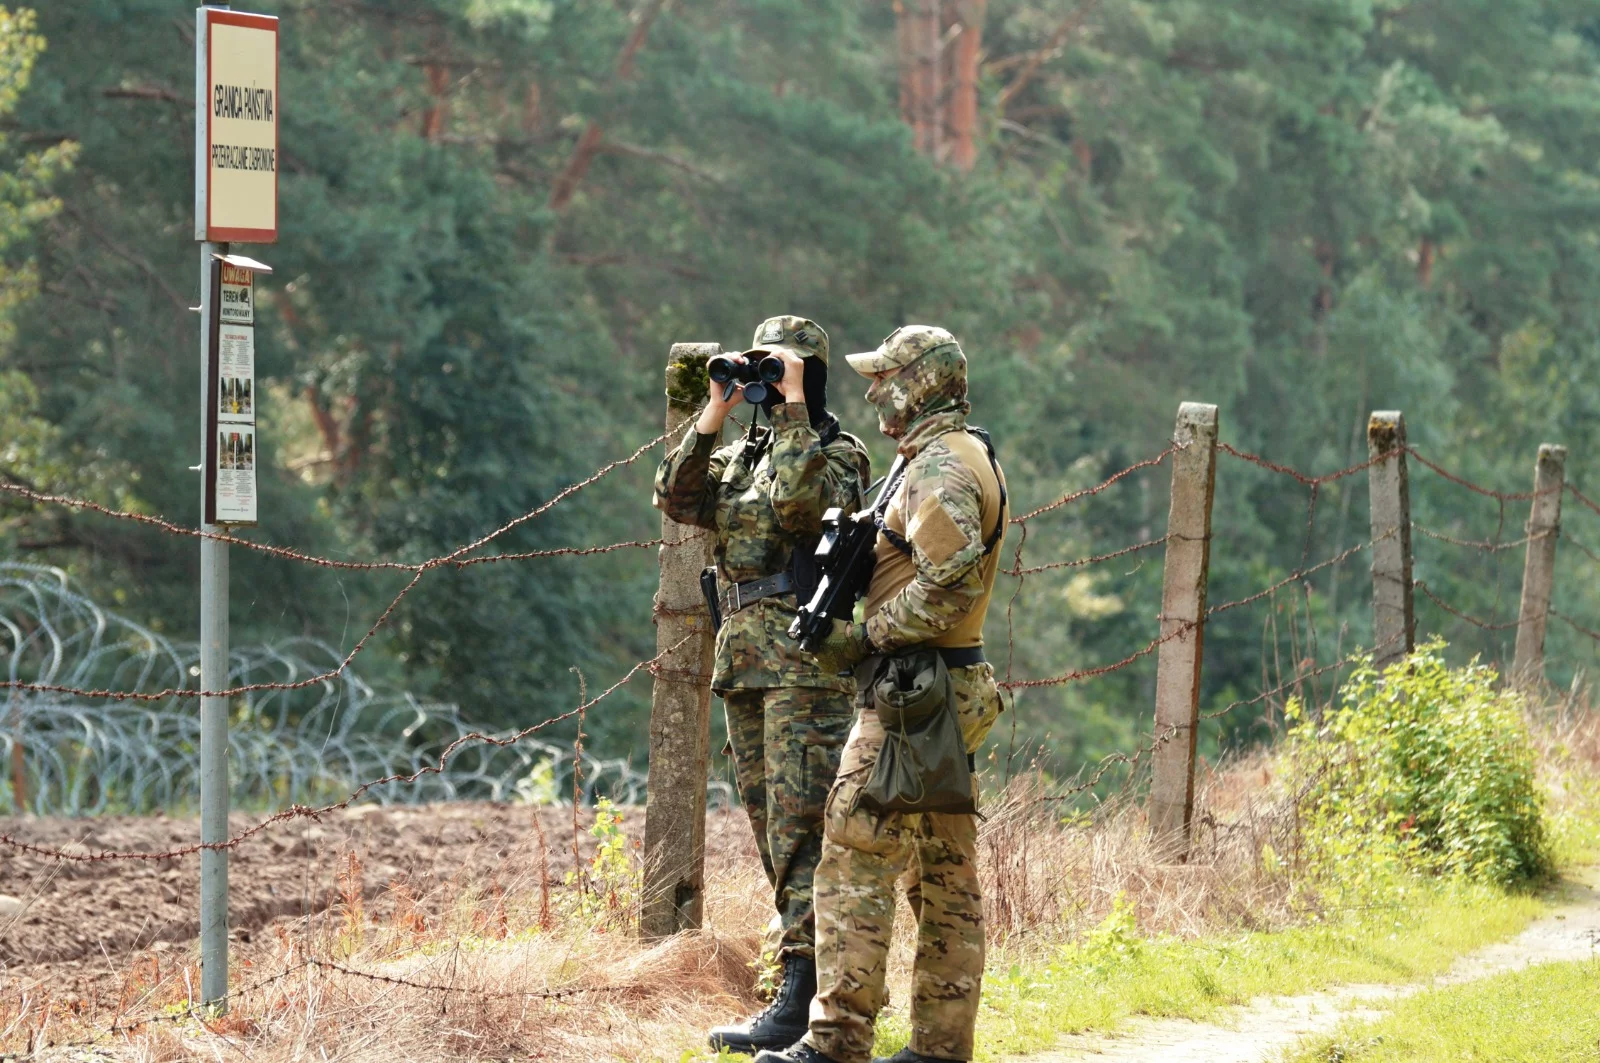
column 900, row 348
column 797, row 335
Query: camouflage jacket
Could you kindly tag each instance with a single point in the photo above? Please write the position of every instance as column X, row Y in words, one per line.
column 948, row 508
column 760, row 515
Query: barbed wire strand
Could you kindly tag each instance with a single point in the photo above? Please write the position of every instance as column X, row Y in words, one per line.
column 1585, row 499
column 1019, row 572
column 202, row 1013
column 1486, row 625
column 1073, row 496
column 1487, row 492
column 303, row 812
column 1486, row 545
column 1149, row 749
column 288, row 553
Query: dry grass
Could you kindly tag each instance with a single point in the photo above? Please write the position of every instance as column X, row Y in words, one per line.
column 483, row 954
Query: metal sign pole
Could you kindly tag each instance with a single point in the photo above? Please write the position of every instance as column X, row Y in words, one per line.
column 235, row 199
column 213, row 674
column 213, row 587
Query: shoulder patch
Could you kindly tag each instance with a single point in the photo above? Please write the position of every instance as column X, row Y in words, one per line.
column 933, row 531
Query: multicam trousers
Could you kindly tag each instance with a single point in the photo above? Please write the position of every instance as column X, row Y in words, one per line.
column 934, row 856
column 786, row 746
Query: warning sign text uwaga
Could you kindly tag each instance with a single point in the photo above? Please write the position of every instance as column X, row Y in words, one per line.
column 249, row 104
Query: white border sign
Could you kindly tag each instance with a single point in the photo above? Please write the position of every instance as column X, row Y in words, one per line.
column 236, row 127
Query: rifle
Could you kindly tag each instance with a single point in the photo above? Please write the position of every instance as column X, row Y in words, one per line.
column 844, row 560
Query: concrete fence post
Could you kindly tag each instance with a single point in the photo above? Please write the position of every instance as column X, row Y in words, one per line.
column 1539, row 566
column 1394, row 620
column 1183, row 614
column 673, row 897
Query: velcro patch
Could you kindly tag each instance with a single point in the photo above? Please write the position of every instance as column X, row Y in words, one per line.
column 772, row 332
column 935, row 532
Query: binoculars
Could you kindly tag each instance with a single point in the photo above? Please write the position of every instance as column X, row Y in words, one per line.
column 757, row 377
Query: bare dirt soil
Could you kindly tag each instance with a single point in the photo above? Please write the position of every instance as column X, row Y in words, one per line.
column 80, row 924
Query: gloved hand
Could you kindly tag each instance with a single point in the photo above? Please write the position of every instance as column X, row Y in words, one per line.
column 845, row 647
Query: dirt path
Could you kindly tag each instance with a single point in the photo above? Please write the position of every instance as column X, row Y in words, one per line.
column 1258, row 1032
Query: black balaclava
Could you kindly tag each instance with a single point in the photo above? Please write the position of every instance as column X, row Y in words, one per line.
column 815, row 393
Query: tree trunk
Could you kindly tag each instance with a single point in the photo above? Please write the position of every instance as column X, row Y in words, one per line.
column 1425, row 253
column 437, row 116
column 566, row 184
column 917, row 30
column 964, row 98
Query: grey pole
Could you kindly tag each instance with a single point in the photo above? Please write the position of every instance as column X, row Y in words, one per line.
column 1186, row 574
column 213, row 676
column 1394, row 618
column 1539, row 566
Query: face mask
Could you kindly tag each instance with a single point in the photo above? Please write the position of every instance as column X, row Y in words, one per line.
column 891, row 397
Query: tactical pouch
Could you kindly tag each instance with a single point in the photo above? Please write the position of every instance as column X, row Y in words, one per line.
column 923, row 766
column 708, row 587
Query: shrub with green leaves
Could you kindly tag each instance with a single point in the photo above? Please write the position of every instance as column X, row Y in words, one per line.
column 1421, row 767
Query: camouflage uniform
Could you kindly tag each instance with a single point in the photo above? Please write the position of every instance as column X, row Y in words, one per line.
column 950, row 509
column 787, row 719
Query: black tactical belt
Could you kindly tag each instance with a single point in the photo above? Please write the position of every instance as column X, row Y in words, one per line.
column 740, row 595
column 962, row 656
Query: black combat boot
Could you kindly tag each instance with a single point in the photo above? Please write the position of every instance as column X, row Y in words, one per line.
column 800, row 1053
column 905, row 1055
column 781, row 1023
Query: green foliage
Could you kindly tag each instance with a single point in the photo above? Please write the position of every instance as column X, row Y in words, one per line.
column 607, row 891
column 1300, row 212
column 1421, row 767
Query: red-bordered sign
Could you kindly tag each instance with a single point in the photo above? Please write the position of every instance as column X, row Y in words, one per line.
column 236, row 139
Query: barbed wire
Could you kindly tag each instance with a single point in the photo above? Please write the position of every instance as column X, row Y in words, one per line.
column 1185, row 626
column 1149, row 749
column 1487, row 492
column 1486, row 545
column 458, row 558
column 1579, row 628
column 83, row 759
column 1083, row 561
column 1073, row 496
column 205, row 1015
column 1585, row 499
column 1567, row 538
column 229, row 692
column 450, row 558
column 1486, row 625
column 1303, row 478
column 303, row 812
column 482, row 994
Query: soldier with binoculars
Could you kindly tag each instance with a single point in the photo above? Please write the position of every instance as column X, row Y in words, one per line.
column 787, row 717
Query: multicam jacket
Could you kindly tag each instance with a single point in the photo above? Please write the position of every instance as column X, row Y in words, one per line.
column 760, row 515
column 950, row 512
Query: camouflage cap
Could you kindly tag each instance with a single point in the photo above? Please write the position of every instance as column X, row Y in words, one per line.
column 900, row 348
column 797, row 335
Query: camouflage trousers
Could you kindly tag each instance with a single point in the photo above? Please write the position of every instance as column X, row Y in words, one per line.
column 786, row 745
column 934, row 856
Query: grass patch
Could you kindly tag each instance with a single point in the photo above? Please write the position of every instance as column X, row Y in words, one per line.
column 1535, row 1015
column 1115, row 974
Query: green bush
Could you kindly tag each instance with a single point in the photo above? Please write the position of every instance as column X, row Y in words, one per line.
column 1421, row 767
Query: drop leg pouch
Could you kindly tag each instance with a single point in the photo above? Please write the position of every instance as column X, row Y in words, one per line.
column 923, row 766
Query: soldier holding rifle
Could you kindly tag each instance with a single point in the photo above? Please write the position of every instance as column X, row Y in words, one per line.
column 936, row 557
column 787, row 716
